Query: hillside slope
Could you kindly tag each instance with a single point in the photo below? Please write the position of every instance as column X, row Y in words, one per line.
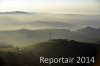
column 56, row 48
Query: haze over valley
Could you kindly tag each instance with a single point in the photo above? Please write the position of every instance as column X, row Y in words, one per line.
column 30, row 29
column 32, row 20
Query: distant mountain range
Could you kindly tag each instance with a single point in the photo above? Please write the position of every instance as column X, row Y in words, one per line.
column 15, row 12
column 89, row 34
column 24, row 12
column 25, row 36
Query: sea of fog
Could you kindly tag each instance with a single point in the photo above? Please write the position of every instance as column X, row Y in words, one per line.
column 48, row 20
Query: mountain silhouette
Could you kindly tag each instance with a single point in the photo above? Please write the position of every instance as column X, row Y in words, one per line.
column 15, row 12
column 90, row 32
column 24, row 36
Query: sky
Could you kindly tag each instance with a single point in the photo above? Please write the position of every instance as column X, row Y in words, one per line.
column 50, row 5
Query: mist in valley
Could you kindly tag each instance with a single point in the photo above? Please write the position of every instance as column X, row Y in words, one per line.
column 30, row 27
column 48, row 20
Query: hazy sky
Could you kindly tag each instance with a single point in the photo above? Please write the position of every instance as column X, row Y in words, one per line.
column 49, row 5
